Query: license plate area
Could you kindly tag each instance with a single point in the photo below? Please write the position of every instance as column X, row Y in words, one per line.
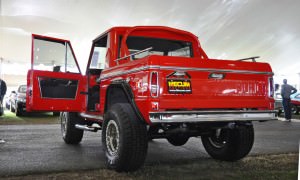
column 179, row 86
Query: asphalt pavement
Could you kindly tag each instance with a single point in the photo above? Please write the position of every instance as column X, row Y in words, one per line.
column 40, row 149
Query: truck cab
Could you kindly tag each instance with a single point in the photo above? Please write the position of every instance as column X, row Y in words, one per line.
column 148, row 82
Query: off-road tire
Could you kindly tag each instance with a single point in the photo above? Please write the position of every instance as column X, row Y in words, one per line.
column 178, row 139
column 124, row 139
column 232, row 144
column 70, row 134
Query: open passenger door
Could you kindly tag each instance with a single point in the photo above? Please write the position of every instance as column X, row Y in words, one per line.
column 54, row 82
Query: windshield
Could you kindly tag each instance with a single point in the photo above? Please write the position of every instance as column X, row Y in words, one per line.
column 164, row 47
column 22, row 89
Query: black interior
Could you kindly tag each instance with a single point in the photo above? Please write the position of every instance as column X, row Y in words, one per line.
column 58, row 88
column 94, row 71
column 94, row 91
column 93, row 97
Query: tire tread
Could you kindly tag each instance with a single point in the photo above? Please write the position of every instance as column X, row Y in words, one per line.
column 240, row 143
column 134, row 135
column 73, row 135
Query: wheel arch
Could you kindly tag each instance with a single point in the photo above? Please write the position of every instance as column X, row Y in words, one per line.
column 121, row 92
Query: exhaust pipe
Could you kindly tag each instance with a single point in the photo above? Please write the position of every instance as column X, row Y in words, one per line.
column 87, row 128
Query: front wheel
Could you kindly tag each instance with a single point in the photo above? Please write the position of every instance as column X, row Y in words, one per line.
column 19, row 111
column 229, row 144
column 70, row 134
column 124, row 138
column 294, row 109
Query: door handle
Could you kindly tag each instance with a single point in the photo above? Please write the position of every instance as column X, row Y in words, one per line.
column 84, row 93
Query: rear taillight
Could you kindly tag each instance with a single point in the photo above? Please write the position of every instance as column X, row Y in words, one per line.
column 154, row 88
column 271, row 87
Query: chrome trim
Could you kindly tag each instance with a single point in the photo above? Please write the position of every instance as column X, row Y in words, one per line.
column 139, row 52
column 249, row 58
column 119, row 73
column 211, row 116
column 157, row 84
column 210, row 70
column 175, row 68
column 91, row 116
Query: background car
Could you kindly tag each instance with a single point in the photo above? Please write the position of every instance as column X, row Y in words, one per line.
column 295, row 101
column 18, row 100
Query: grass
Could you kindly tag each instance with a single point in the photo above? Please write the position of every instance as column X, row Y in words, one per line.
column 10, row 118
column 282, row 166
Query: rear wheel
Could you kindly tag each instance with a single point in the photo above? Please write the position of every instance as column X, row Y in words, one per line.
column 178, row 139
column 229, row 144
column 70, row 133
column 295, row 109
column 124, row 138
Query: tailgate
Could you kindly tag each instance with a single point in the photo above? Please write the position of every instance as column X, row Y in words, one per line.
column 192, row 83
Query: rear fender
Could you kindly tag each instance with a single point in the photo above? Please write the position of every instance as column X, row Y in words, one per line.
column 121, row 92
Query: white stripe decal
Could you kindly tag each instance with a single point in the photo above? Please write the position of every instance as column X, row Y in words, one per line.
column 175, row 68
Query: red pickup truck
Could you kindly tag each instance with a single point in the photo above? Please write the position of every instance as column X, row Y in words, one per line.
column 149, row 82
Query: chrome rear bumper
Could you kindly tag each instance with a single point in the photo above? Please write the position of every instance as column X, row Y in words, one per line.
column 211, row 116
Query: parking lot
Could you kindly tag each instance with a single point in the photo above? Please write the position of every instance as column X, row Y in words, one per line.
column 39, row 148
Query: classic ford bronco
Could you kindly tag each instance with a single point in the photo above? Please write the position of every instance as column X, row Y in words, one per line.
column 148, row 82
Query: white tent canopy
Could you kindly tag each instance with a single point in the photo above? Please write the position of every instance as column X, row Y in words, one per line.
column 227, row 29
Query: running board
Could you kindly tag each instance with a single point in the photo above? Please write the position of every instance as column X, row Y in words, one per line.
column 91, row 116
column 88, row 128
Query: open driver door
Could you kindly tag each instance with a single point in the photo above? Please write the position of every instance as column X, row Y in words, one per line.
column 54, row 82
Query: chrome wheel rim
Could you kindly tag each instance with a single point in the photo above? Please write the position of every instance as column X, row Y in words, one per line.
column 112, row 137
column 218, row 140
column 63, row 120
